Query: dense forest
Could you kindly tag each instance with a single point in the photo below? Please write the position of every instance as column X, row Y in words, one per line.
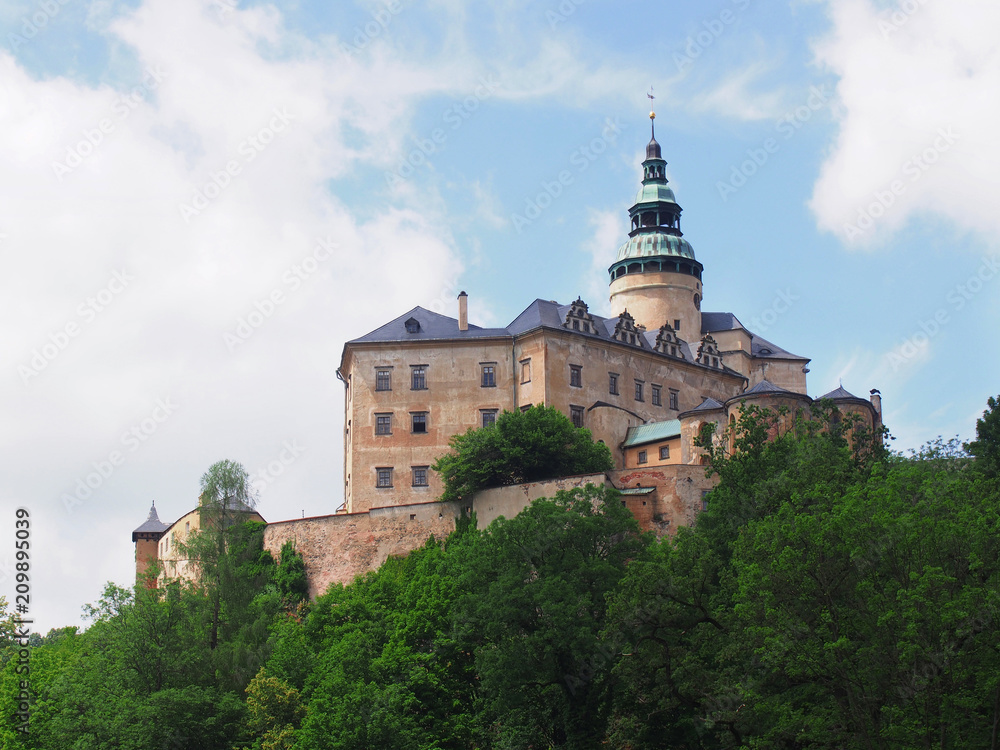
column 833, row 595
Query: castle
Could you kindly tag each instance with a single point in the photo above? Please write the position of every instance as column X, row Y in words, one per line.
column 643, row 381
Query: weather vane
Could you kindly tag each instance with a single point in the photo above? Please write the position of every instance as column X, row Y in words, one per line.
column 652, row 114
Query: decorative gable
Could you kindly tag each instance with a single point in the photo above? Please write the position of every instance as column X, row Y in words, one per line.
column 578, row 318
column 708, row 353
column 667, row 342
column 626, row 330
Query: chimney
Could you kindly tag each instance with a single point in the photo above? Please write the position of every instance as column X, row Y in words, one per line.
column 463, row 312
column 877, row 402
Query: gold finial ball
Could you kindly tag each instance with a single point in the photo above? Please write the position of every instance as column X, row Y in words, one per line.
column 652, row 115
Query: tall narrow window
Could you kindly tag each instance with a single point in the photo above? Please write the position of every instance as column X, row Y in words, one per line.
column 613, row 383
column 576, row 376
column 642, row 457
column 419, row 421
column 674, row 399
column 420, row 476
column 664, row 452
column 383, row 477
column 383, row 379
column 418, row 378
column 489, row 376
column 489, row 417
column 383, row 424
column 639, row 385
column 655, row 395
column 525, row 370
column 576, row 415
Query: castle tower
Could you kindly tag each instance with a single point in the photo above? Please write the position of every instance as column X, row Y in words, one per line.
column 146, row 538
column 655, row 276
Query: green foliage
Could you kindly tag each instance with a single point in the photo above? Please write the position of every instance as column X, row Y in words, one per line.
column 986, row 446
column 290, row 577
column 538, row 443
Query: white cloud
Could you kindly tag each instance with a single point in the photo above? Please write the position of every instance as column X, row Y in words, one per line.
column 917, row 118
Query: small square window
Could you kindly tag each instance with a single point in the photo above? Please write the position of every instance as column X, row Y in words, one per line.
column 419, row 421
column 489, row 417
column 383, row 424
column 674, row 399
column 418, row 378
column 576, row 415
column 420, row 476
column 489, row 376
column 638, row 390
column 383, row 379
column 613, row 384
column 576, row 376
column 664, row 452
column 642, row 457
column 383, row 477
column 655, row 395
column 526, row 371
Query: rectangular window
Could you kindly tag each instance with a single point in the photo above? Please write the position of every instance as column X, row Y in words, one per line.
column 638, row 390
column 642, row 457
column 677, row 325
column 664, row 452
column 383, row 424
column 525, row 370
column 655, row 395
column 704, row 499
column 576, row 414
column 420, row 476
column 613, row 383
column 383, row 477
column 419, row 421
column 383, row 379
column 674, row 399
column 525, row 407
column 489, row 376
column 576, row 376
column 489, row 417
column 418, row 378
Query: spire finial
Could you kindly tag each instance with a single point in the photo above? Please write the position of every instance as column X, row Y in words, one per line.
column 652, row 114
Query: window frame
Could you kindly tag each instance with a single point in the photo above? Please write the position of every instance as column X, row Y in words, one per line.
column 674, row 399
column 483, row 414
column 574, row 413
column 613, row 384
column 664, row 452
column 414, row 474
column 640, row 390
column 379, row 483
column 383, row 418
column 414, row 417
column 488, row 375
column 525, row 370
column 418, row 374
column 655, row 394
column 379, row 373
column 642, row 457
column 576, row 376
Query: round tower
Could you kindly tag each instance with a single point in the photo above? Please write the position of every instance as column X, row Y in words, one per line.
column 656, row 276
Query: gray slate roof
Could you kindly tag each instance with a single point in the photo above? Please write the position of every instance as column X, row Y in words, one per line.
column 712, row 322
column 152, row 524
column 765, row 386
column 433, row 326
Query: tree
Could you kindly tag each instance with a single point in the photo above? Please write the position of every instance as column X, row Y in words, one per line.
column 986, row 446
column 538, row 443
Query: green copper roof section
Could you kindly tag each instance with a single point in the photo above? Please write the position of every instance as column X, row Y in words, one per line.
column 655, row 243
column 652, row 432
column 654, row 192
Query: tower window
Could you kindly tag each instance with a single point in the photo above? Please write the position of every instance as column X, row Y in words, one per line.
column 383, row 379
column 383, row 477
column 419, row 421
column 383, row 424
column 576, row 415
column 576, row 376
column 655, row 395
column 613, row 383
column 418, row 378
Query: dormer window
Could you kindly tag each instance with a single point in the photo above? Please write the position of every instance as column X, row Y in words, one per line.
column 412, row 325
column 578, row 318
column 626, row 331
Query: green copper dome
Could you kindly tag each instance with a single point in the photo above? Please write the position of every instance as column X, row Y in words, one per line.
column 655, row 243
column 654, row 193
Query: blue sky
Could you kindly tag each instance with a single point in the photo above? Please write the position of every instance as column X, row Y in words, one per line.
column 203, row 199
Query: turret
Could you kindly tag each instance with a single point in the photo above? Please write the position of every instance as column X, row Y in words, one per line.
column 655, row 275
column 146, row 538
